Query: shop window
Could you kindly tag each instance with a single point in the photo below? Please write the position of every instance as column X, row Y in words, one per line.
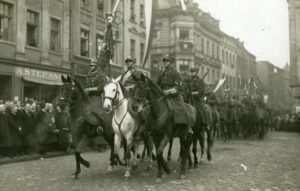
column 5, row 20
column 132, row 10
column 55, row 35
column 32, row 29
column 142, row 15
column 184, row 35
column 84, row 43
column 132, row 48
column 142, row 52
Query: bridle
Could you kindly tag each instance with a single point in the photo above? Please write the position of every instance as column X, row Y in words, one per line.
column 115, row 99
column 68, row 100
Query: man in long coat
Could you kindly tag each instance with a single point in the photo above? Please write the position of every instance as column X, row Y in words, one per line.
column 170, row 81
column 5, row 136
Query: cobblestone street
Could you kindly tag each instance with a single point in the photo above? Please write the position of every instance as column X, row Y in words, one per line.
column 271, row 164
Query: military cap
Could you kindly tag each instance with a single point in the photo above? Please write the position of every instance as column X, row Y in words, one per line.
column 194, row 69
column 129, row 59
column 93, row 62
column 109, row 14
column 167, row 58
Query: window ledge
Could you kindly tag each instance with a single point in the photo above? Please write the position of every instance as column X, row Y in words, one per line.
column 33, row 48
column 132, row 21
column 7, row 42
column 55, row 53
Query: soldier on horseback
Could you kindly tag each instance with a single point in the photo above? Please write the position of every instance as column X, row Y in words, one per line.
column 95, row 83
column 170, row 81
column 96, row 80
column 131, row 74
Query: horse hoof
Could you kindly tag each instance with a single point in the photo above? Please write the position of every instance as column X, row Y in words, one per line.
column 182, row 176
column 74, row 176
column 209, row 157
column 167, row 170
column 158, row 180
column 109, row 170
column 134, row 167
column 149, row 168
column 86, row 164
column 126, row 177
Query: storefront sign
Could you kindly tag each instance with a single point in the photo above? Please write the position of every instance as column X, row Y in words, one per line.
column 39, row 76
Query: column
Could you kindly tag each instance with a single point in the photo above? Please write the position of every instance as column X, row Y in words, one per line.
column 20, row 30
column 45, row 35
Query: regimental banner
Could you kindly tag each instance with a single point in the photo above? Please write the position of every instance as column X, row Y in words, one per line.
column 39, row 76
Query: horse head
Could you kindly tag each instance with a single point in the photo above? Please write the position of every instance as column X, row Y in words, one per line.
column 67, row 90
column 113, row 94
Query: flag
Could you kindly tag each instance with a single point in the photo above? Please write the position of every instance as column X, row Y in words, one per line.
column 220, row 84
column 183, row 5
column 107, row 50
column 150, row 9
column 255, row 86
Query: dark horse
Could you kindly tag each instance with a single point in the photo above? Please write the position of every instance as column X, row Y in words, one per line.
column 163, row 129
column 82, row 131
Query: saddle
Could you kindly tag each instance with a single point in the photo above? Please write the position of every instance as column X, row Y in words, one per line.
column 93, row 110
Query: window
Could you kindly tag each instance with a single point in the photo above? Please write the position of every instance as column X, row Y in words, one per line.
column 100, row 5
column 213, row 50
column 5, row 20
column 218, row 52
column 84, row 3
column 218, row 75
column 142, row 15
column 55, row 35
column 132, row 10
column 32, row 29
column 226, row 58
column 213, row 75
column 142, row 52
column 223, row 56
column 132, row 48
column 99, row 44
column 202, row 45
column 84, row 43
column 184, row 34
column 207, row 48
column 208, row 74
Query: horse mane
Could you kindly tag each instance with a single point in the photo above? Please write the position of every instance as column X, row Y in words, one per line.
column 154, row 87
column 82, row 92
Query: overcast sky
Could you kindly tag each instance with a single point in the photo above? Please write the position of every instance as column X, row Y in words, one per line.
column 261, row 24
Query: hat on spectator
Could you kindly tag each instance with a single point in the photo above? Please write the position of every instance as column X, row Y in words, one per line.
column 194, row 69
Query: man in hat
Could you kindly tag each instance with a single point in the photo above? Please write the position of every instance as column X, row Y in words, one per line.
column 95, row 80
column 170, row 81
column 197, row 89
column 131, row 74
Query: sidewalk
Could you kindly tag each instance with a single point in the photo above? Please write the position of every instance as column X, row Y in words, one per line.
column 6, row 160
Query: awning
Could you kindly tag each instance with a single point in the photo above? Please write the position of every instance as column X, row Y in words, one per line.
column 39, row 76
column 42, row 81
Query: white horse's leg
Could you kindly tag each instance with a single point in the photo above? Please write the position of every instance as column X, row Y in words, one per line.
column 129, row 138
column 117, row 144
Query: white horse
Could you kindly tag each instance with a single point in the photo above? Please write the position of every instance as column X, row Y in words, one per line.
column 123, row 123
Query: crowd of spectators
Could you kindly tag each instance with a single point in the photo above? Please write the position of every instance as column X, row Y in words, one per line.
column 287, row 122
column 32, row 127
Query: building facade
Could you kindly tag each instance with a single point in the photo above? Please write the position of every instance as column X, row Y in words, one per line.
column 245, row 67
column 42, row 40
column 34, row 44
column 294, row 33
column 275, row 84
column 192, row 37
column 228, row 56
